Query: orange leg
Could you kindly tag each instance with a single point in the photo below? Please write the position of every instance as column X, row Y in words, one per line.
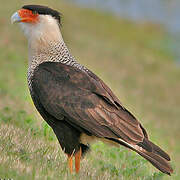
column 77, row 160
column 70, row 162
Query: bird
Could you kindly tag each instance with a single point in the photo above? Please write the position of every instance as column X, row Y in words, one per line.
column 76, row 103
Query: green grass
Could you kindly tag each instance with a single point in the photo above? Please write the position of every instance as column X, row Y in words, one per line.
column 133, row 59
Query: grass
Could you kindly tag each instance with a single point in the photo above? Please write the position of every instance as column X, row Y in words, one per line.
column 133, row 59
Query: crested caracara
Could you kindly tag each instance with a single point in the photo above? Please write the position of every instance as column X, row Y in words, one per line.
column 77, row 104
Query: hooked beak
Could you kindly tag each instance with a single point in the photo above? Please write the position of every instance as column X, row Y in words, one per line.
column 15, row 18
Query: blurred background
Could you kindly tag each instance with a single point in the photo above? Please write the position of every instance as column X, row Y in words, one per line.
column 133, row 46
column 163, row 12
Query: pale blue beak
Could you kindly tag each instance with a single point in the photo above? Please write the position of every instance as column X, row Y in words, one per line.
column 15, row 18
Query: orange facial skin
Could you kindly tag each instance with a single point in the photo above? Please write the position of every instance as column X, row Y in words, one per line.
column 28, row 16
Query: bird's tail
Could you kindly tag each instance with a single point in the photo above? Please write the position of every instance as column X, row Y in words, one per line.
column 154, row 154
column 157, row 159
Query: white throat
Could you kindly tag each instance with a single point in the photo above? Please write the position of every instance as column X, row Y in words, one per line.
column 41, row 34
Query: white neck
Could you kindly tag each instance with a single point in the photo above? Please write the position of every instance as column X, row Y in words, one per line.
column 41, row 34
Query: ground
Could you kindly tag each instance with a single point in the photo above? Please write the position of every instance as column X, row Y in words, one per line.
column 133, row 59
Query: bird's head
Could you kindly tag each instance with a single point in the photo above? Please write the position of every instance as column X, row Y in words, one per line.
column 40, row 24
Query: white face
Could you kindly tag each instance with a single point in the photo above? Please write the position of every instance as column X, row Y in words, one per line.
column 46, row 29
column 42, row 31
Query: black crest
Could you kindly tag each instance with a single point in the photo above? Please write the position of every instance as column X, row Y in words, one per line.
column 44, row 10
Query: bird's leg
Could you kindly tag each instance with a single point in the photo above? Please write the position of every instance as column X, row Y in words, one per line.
column 70, row 162
column 77, row 160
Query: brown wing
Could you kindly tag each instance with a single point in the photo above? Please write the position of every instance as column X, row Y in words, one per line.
column 91, row 107
column 86, row 101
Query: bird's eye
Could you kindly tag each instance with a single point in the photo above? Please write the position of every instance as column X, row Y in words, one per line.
column 34, row 12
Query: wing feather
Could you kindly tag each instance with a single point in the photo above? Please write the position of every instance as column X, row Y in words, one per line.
column 86, row 102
